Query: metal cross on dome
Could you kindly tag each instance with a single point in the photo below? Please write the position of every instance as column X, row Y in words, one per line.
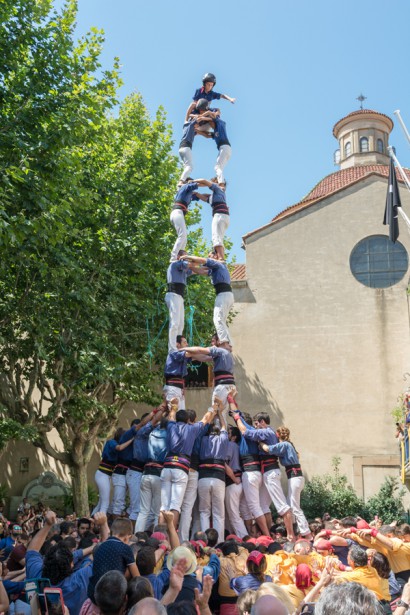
column 361, row 98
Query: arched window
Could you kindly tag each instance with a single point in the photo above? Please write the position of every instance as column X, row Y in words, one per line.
column 380, row 146
column 348, row 149
column 364, row 144
column 378, row 262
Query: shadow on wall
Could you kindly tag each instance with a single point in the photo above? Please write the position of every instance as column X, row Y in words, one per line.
column 253, row 396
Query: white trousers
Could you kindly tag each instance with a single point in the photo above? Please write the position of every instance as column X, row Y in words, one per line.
column 271, row 478
column 185, row 154
column 222, row 307
column 224, row 153
column 171, row 392
column 150, row 502
column 175, row 305
column 178, row 222
column 256, row 494
column 220, row 223
column 211, row 493
column 118, row 498
column 295, row 488
column 103, row 482
column 173, row 486
column 221, row 391
column 187, row 505
column 234, row 495
column 133, row 479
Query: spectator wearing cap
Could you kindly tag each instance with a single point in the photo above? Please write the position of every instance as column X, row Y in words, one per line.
column 8, row 543
column 190, row 582
column 256, row 565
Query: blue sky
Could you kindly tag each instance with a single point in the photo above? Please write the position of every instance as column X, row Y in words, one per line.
column 295, row 68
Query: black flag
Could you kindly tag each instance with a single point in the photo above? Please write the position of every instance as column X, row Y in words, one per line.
column 392, row 203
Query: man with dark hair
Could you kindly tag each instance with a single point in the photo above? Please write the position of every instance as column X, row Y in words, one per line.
column 348, row 599
column 83, row 526
column 146, row 563
column 361, row 572
column 66, row 528
column 262, row 432
column 190, row 511
column 181, row 437
column 111, row 593
column 235, row 498
column 212, row 537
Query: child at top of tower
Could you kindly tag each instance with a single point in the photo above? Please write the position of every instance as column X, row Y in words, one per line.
column 207, row 92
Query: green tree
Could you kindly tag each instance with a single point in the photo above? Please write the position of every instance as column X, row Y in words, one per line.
column 387, row 503
column 84, row 237
column 331, row 493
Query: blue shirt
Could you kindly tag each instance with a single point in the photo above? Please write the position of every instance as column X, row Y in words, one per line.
column 140, row 444
column 185, row 194
column 232, row 456
column 127, row 454
column 176, row 364
column 248, row 581
column 211, row 95
column 266, row 435
column 217, row 200
column 286, row 453
column 218, row 271
column 157, row 445
column 8, row 545
column 181, row 436
column 214, row 446
column 220, row 135
column 159, row 580
column 109, row 453
column 113, row 554
column 177, row 272
column 222, row 358
column 74, row 587
column 188, row 134
column 248, row 447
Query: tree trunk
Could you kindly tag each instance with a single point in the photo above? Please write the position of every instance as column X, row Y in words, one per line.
column 80, row 489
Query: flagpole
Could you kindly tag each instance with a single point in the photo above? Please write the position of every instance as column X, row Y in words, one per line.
column 406, row 181
column 402, row 124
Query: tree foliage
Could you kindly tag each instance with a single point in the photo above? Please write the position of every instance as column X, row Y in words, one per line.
column 387, row 503
column 84, row 236
column 332, row 493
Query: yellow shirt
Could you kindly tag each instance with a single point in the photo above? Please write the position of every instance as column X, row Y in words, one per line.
column 367, row 576
column 295, row 594
column 399, row 556
column 231, row 566
column 281, row 566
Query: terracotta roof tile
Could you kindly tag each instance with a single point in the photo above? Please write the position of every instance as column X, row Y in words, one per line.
column 238, row 273
column 332, row 184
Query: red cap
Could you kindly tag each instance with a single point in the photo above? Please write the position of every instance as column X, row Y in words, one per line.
column 159, row 536
column 255, row 557
column 363, row 525
column 324, row 545
column 264, row 540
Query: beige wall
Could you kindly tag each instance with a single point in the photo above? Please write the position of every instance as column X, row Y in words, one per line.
column 324, row 353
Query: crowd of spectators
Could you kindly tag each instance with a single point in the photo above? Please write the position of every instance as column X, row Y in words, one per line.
column 348, row 567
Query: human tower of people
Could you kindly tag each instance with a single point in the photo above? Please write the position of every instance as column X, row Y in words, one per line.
column 208, row 473
column 197, row 537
